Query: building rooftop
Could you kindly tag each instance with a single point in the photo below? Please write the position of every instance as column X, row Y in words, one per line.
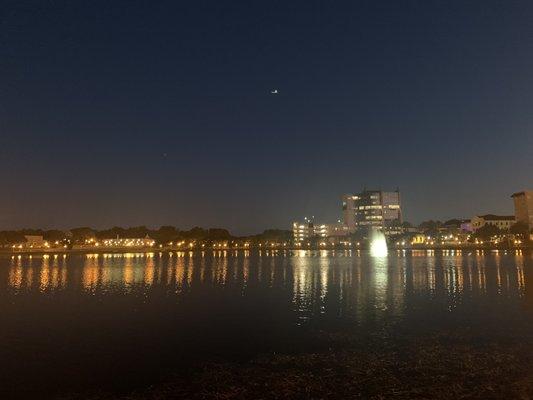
column 492, row 217
column 522, row 193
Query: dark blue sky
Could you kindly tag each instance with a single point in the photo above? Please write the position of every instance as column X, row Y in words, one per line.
column 159, row 112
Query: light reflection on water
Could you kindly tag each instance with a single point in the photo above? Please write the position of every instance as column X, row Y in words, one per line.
column 352, row 281
column 140, row 313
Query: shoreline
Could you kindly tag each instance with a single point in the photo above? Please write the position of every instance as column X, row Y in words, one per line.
column 123, row 250
column 434, row 364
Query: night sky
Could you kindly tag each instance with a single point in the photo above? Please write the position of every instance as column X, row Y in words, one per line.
column 160, row 112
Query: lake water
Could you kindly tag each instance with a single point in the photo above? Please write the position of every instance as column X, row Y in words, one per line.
column 120, row 321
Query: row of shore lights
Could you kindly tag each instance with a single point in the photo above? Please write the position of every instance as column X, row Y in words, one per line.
column 265, row 245
column 324, row 244
column 45, row 244
column 430, row 241
column 144, row 242
column 122, row 242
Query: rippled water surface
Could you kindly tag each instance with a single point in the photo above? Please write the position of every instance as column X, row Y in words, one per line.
column 72, row 323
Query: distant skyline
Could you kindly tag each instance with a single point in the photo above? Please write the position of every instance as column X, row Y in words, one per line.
column 142, row 113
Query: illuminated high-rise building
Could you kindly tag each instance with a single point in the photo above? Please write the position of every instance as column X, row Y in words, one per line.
column 373, row 209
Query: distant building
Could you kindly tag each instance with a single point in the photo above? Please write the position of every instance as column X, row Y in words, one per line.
column 523, row 207
column 349, row 210
column 457, row 226
column 466, row 226
column 302, row 230
column 338, row 229
column 503, row 222
column 132, row 243
column 320, row 230
column 373, row 209
column 305, row 230
column 35, row 241
column 419, row 238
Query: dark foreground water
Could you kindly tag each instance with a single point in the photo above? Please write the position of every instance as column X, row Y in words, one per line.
column 121, row 322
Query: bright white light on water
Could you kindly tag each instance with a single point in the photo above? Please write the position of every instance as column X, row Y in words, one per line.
column 378, row 245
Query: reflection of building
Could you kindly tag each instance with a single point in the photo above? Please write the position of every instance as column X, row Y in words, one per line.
column 503, row 222
column 373, row 209
column 523, row 207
